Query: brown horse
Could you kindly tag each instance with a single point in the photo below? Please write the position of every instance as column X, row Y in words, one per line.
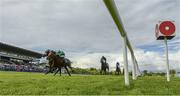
column 58, row 62
column 104, row 66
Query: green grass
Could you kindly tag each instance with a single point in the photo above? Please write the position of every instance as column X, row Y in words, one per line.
column 19, row 83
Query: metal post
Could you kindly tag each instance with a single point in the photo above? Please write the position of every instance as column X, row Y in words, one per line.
column 167, row 59
column 133, row 68
column 126, row 73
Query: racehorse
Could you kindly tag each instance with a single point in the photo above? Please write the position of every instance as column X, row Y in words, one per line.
column 104, row 67
column 56, row 62
column 118, row 70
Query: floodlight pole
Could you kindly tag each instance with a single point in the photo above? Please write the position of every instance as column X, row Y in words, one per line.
column 167, row 59
column 126, row 72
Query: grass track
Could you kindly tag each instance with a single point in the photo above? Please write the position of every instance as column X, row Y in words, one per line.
column 19, row 83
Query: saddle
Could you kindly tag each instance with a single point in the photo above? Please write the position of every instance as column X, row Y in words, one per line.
column 64, row 60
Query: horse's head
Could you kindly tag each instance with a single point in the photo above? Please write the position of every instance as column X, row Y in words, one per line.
column 46, row 53
column 51, row 54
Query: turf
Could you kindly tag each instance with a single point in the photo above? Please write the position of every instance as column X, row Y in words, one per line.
column 20, row 83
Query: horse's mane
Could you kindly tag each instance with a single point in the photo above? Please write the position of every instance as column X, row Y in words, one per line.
column 52, row 55
column 53, row 52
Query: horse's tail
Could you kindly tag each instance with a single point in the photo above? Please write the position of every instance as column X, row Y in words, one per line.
column 68, row 63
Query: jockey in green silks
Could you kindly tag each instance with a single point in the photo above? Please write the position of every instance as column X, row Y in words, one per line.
column 60, row 53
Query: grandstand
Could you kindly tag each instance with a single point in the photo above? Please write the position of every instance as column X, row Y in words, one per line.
column 12, row 52
column 15, row 58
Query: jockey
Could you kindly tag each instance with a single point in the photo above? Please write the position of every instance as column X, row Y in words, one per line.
column 117, row 65
column 103, row 59
column 60, row 53
column 118, row 69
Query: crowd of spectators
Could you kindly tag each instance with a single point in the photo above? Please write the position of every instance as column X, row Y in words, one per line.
column 21, row 67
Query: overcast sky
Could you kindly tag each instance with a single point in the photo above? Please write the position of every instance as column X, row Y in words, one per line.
column 85, row 30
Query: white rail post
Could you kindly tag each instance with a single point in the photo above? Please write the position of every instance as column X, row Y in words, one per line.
column 133, row 68
column 126, row 72
column 167, row 59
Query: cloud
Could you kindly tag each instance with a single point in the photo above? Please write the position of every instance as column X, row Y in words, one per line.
column 147, row 60
column 159, row 46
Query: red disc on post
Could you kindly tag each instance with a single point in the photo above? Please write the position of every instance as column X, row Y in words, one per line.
column 167, row 28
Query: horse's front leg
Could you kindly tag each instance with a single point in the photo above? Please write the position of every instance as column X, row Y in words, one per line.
column 51, row 66
column 48, row 72
column 56, row 72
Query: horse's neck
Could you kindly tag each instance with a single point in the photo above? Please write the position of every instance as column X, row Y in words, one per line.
column 53, row 57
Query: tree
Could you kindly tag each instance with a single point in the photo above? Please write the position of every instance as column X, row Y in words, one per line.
column 145, row 72
column 173, row 72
